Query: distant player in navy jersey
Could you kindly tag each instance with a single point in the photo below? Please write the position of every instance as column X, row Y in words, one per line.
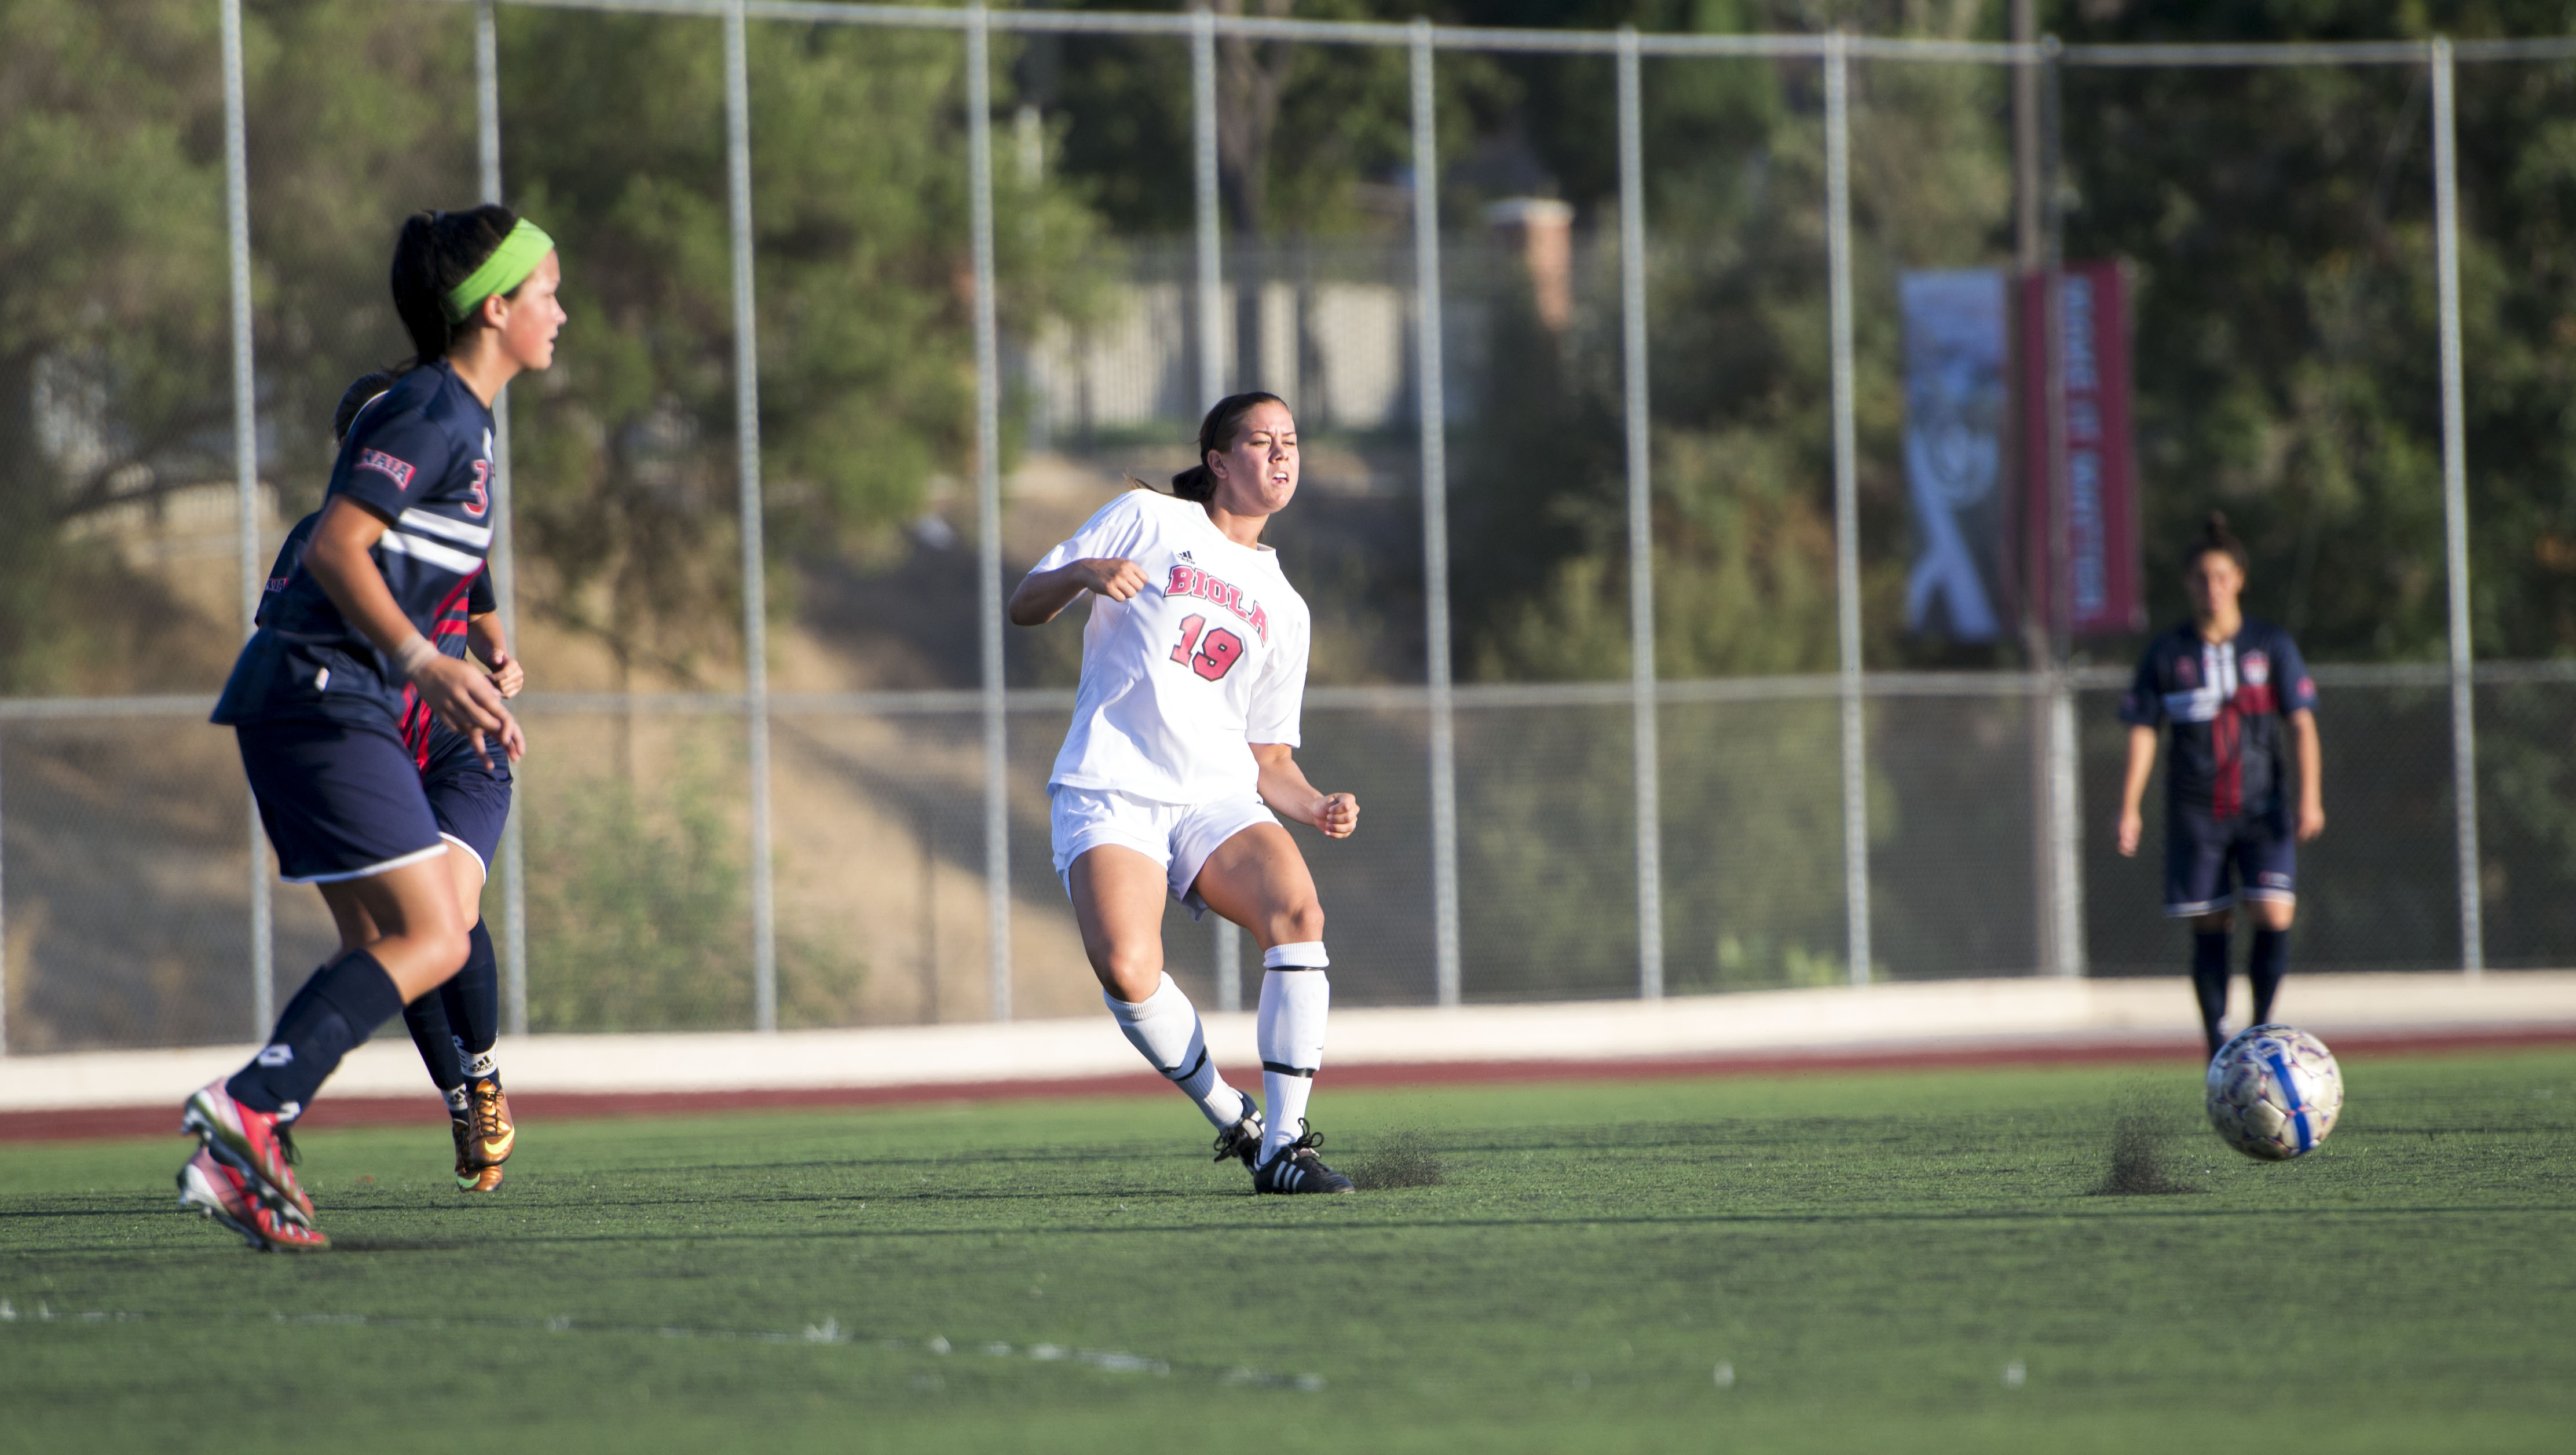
column 317, row 698
column 2241, row 780
column 1184, row 728
column 455, row 1025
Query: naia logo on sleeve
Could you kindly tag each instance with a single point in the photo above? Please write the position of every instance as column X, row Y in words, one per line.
column 396, row 470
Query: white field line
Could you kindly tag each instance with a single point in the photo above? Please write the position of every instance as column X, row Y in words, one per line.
column 828, row 1331
column 1888, row 1018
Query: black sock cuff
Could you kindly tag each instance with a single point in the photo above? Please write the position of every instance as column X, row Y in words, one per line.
column 358, row 987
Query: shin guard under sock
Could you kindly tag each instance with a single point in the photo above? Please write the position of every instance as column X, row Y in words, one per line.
column 1164, row 1028
column 1296, row 1000
column 2209, row 981
column 426, row 1019
column 332, row 1015
column 2264, row 968
column 472, row 999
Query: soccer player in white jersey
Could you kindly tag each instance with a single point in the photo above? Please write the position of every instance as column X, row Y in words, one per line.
column 1193, row 670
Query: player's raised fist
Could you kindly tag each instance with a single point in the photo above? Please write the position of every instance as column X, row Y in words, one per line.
column 1338, row 815
column 1113, row 577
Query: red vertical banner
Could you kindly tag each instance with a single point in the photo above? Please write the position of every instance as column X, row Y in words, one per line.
column 2081, row 564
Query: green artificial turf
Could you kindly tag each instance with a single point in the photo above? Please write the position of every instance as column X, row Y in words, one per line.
column 1872, row 1256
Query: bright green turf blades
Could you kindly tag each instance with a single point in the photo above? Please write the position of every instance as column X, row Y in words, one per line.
column 1867, row 1253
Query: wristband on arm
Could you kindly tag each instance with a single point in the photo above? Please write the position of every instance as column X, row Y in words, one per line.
column 413, row 655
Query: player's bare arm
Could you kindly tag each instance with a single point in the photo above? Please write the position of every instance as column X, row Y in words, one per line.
column 2312, row 800
column 1284, row 787
column 1045, row 594
column 463, row 698
column 2133, row 788
column 492, row 649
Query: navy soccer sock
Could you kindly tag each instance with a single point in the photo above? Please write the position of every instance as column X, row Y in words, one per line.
column 332, row 1015
column 426, row 1019
column 2209, row 981
column 472, row 998
column 2265, row 967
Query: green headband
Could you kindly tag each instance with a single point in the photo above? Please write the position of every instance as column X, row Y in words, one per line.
column 507, row 268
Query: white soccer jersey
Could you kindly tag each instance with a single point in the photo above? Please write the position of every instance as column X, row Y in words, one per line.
column 1180, row 680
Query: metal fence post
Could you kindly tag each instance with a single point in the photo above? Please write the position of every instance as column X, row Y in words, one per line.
column 1211, row 281
column 2455, row 512
column 4, row 909
column 2065, row 830
column 2064, row 922
column 1228, row 960
column 1641, row 525
column 504, row 566
column 755, row 585
column 1846, row 489
column 988, row 508
column 1435, row 519
column 263, row 995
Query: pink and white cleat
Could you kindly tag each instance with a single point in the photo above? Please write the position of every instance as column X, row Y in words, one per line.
column 256, row 1144
column 213, row 1188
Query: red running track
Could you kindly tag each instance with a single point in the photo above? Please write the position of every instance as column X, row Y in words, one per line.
column 88, row 1123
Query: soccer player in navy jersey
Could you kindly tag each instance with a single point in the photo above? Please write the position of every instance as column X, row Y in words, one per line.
column 316, row 700
column 455, row 1025
column 2241, row 779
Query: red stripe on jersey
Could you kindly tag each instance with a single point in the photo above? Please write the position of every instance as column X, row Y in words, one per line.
column 2227, row 745
column 456, row 597
column 416, row 723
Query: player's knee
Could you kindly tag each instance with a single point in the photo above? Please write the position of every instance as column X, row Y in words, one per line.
column 1298, row 923
column 437, row 951
column 1130, row 972
column 454, row 943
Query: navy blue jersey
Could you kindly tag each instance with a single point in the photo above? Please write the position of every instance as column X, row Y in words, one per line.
column 2229, row 703
column 450, row 636
column 419, row 458
column 421, row 730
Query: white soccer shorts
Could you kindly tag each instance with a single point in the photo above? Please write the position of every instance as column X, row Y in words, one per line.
column 1178, row 836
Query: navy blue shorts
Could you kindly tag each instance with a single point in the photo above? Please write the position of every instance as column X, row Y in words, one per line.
column 470, row 801
column 340, row 800
column 2201, row 852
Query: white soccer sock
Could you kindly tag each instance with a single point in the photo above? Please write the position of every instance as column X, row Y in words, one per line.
column 1164, row 1026
column 1294, row 1002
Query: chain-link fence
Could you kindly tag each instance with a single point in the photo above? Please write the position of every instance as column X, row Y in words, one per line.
column 1603, row 523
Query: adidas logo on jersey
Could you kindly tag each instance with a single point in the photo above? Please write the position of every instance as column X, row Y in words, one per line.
column 1190, row 581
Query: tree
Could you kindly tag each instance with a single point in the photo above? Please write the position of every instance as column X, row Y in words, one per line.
column 112, row 370
column 114, row 358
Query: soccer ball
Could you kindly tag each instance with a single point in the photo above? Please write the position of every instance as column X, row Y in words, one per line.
column 2274, row 1092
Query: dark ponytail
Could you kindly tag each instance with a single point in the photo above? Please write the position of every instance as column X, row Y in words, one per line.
column 1216, row 435
column 359, row 394
column 437, row 251
column 2214, row 536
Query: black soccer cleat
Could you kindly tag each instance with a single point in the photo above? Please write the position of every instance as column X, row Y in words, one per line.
column 1296, row 1168
column 1243, row 1139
